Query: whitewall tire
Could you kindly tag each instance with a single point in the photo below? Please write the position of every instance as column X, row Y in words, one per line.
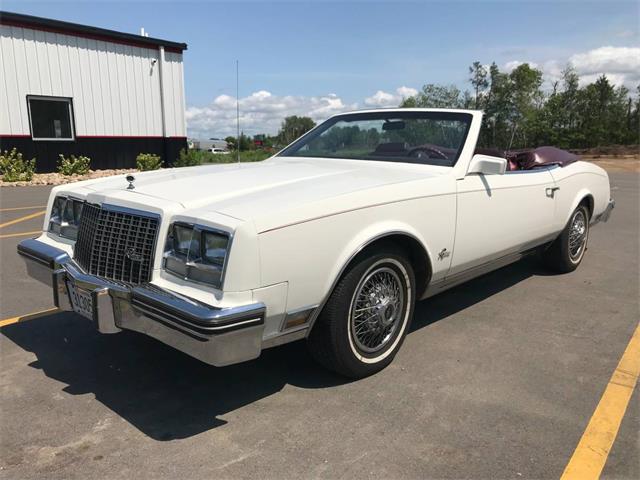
column 367, row 316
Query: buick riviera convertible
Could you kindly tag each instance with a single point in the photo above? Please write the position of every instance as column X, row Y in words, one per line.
column 332, row 240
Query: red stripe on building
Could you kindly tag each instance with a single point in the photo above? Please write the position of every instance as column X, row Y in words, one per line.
column 9, row 135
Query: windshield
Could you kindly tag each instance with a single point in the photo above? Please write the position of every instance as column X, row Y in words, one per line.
column 433, row 138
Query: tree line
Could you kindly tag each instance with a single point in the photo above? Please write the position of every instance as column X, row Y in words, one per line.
column 291, row 128
column 520, row 113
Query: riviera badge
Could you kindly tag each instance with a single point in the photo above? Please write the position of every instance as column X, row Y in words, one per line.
column 132, row 255
column 443, row 254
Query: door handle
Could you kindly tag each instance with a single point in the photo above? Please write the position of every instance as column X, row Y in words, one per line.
column 550, row 191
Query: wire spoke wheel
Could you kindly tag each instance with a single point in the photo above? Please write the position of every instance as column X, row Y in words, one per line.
column 566, row 252
column 377, row 309
column 577, row 235
column 363, row 324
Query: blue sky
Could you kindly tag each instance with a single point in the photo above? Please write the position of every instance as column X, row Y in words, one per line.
column 325, row 56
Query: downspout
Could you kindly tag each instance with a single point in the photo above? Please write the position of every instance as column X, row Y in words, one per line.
column 163, row 112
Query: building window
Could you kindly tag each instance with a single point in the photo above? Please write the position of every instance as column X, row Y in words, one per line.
column 51, row 118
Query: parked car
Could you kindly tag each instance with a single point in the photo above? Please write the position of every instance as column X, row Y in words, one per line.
column 332, row 240
column 221, row 151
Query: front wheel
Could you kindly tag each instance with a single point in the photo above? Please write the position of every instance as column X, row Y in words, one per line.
column 367, row 316
column 567, row 251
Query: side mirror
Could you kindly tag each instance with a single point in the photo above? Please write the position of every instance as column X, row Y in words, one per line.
column 487, row 165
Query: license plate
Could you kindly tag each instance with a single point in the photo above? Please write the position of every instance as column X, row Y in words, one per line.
column 81, row 301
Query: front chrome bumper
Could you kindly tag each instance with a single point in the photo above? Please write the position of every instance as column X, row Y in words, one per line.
column 217, row 336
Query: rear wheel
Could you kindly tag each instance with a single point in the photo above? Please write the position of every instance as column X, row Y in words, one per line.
column 567, row 251
column 367, row 316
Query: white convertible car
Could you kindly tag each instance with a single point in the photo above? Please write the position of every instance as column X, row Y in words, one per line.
column 332, row 240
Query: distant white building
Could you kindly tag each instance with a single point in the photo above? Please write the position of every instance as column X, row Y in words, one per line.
column 207, row 144
column 75, row 89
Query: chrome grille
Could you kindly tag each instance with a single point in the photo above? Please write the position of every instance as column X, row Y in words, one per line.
column 115, row 244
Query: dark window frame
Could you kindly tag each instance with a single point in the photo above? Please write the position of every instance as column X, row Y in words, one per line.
column 72, row 125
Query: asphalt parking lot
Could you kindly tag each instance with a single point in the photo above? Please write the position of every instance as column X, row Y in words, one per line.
column 498, row 379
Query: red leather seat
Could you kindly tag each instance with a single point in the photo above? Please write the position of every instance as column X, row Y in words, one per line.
column 391, row 148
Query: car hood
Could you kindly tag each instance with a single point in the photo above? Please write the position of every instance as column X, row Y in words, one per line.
column 250, row 190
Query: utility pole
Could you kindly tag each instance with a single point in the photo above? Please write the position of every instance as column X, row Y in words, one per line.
column 237, row 114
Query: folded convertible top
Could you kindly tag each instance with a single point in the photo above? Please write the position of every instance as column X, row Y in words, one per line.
column 528, row 159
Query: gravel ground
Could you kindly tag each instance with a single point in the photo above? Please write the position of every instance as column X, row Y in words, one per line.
column 625, row 163
column 59, row 179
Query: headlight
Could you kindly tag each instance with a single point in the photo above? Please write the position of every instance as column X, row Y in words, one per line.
column 65, row 217
column 196, row 253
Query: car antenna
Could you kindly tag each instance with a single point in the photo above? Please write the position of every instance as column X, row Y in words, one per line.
column 237, row 114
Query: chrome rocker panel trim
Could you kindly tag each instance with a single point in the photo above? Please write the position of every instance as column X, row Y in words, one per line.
column 217, row 336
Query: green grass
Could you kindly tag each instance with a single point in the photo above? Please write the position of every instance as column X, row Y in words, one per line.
column 247, row 156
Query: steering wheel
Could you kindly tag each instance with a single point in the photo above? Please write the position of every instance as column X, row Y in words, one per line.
column 425, row 153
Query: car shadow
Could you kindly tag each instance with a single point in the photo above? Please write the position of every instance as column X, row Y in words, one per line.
column 161, row 391
column 168, row 395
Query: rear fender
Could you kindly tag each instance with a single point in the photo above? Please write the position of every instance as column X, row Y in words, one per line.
column 579, row 197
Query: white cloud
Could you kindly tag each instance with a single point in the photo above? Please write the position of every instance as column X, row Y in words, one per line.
column 386, row 99
column 406, row 92
column 620, row 64
column 263, row 112
column 260, row 112
column 552, row 71
column 381, row 99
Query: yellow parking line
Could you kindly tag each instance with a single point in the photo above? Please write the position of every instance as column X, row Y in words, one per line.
column 24, row 318
column 23, row 234
column 13, row 209
column 592, row 451
column 22, row 219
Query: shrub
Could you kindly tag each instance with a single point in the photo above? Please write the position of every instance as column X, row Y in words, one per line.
column 255, row 155
column 220, row 158
column 148, row 161
column 14, row 168
column 245, row 156
column 188, row 158
column 73, row 165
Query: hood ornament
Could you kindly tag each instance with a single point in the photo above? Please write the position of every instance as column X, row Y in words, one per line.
column 131, row 179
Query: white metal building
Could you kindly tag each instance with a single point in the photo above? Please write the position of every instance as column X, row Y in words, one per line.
column 72, row 89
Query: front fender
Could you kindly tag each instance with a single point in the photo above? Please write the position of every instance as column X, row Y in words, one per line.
column 358, row 243
column 310, row 256
column 366, row 237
